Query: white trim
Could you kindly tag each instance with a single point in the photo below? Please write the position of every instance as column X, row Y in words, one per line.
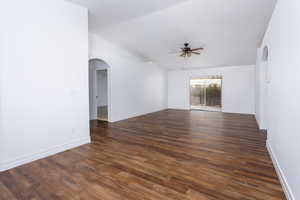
column 9, row 164
column 258, row 125
column 286, row 187
column 137, row 115
column 257, row 121
column 176, row 108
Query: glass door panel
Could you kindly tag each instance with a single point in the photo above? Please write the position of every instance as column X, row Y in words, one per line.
column 206, row 93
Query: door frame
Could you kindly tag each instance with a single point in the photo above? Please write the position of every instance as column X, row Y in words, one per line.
column 204, row 77
column 103, row 66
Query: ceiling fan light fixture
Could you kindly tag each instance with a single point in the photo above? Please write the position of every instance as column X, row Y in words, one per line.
column 187, row 51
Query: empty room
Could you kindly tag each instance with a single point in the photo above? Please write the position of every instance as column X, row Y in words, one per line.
column 149, row 100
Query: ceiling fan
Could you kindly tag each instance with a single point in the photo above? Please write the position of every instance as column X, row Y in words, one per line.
column 187, row 51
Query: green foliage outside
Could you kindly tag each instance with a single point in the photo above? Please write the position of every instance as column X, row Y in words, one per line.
column 213, row 95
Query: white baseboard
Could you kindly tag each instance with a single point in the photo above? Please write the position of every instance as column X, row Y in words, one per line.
column 176, row 108
column 6, row 165
column 257, row 121
column 286, row 187
column 136, row 115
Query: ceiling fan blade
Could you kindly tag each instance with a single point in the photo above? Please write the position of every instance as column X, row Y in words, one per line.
column 197, row 49
column 196, row 53
column 183, row 54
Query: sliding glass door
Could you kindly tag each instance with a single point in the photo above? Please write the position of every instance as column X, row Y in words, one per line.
column 206, row 93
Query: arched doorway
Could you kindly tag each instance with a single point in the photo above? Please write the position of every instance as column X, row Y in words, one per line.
column 99, row 90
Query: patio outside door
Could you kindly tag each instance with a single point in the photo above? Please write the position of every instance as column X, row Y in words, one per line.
column 206, row 93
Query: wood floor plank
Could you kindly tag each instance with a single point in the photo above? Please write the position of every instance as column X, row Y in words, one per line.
column 171, row 154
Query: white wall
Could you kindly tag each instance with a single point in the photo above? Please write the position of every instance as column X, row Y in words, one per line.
column 136, row 87
column 43, row 79
column 237, row 88
column 261, row 90
column 283, row 111
column 101, row 88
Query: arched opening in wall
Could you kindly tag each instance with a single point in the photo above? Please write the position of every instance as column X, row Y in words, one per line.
column 99, row 90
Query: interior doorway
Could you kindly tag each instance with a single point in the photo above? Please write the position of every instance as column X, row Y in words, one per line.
column 99, row 90
column 206, row 93
column 102, row 93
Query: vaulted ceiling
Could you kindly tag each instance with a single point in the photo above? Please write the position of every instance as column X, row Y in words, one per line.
column 229, row 30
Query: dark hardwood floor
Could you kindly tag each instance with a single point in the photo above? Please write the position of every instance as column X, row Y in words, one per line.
column 170, row 154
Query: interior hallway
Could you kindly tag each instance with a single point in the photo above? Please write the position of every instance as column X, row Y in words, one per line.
column 164, row 155
column 102, row 113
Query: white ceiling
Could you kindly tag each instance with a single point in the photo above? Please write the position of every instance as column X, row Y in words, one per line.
column 229, row 30
column 105, row 13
